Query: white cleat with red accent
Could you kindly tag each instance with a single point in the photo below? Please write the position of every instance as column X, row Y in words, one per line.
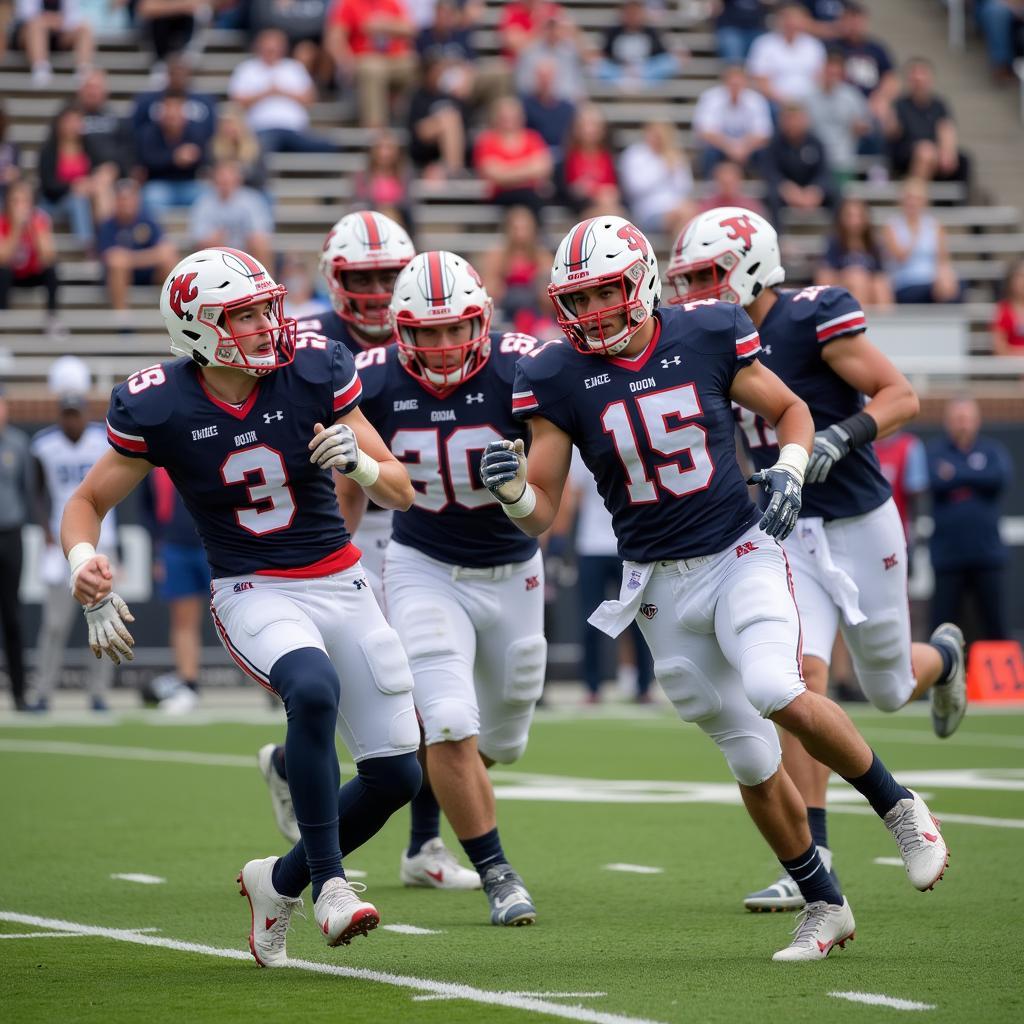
column 916, row 831
column 820, row 928
column 341, row 915
column 280, row 794
column 271, row 912
column 435, row 867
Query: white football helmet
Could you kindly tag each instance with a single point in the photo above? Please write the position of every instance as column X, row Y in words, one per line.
column 69, row 376
column 438, row 289
column 604, row 250
column 197, row 297
column 366, row 241
column 739, row 248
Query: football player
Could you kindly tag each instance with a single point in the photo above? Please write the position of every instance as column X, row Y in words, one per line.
column 848, row 552
column 362, row 256
column 465, row 588
column 249, row 423
column 646, row 396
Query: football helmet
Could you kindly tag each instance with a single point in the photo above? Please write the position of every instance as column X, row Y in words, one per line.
column 739, row 247
column 199, row 293
column 366, row 240
column 438, row 289
column 598, row 251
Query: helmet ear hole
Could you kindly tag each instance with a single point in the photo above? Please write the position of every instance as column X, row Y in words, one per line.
column 752, row 270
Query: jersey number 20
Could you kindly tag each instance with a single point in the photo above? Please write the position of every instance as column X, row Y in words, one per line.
column 661, row 414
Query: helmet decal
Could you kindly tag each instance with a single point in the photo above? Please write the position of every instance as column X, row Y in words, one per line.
column 740, row 228
column 182, row 290
column 581, row 245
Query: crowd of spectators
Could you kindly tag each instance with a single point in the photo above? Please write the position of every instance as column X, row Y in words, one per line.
column 808, row 100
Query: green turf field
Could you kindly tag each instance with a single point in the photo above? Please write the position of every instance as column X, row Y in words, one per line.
column 186, row 803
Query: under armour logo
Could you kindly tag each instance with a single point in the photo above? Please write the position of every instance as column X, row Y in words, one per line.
column 269, row 417
column 674, row 361
column 748, row 547
column 360, row 584
column 890, row 561
column 766, row 349
column 478, row 397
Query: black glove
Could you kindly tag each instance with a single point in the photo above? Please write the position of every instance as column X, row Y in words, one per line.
column 831, row 445
column 783, row 490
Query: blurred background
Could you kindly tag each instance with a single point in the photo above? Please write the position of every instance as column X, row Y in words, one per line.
column 884, row 140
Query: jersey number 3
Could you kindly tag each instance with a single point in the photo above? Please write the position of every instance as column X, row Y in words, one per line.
column 263, row 472
column 661, row 414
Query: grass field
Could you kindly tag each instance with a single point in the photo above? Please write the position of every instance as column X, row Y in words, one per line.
column 185, row 803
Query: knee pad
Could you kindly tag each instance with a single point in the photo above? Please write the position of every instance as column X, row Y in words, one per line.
column 395, row 780
column 388, row 664
column 772, row 680
column 691, row 692
column 426, row 632
column 753, row 756
column 882, row 661
column 449, row 719
column 752, row 603
column 525, row 666
column 307, row 683
column 503, row 755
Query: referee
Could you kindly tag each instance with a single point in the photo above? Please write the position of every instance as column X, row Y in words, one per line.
column 15, row 491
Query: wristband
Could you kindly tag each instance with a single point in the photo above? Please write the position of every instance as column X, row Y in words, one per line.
column 366, row 472
column 523, row 505
column 861, row 429
column 77, row 557
column 794, row 458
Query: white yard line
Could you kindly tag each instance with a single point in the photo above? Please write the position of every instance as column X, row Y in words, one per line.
column 526, row 995
column 636, row 869
column 141, row 879
column 64, row 935
column 445, row 989
column 952, row 819
column 875, row 999
column 891, row 862
column 406, row 929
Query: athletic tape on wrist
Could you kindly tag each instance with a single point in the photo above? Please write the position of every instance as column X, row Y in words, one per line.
column 366, row 472
column 77, row 557
column 794, row 458
column 523, row 505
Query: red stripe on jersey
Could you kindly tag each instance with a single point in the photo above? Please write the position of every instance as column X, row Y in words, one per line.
column 373, row 239
column 435, row 270
column 122, row 441
column 853, row 326
column 236, row 656
column 749, row 345
column 349, row 395
column 337, row 561
column 575, row 257
column 526, row 402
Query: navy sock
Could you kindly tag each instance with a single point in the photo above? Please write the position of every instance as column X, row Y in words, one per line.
column 947, row 661
column 278, row 761
column 810, row 875
column 425, row 818
column 819, row 828
column 484, row 850
column 309, row 687
column 878, row 786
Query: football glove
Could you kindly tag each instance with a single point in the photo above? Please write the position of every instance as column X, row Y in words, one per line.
column 336, row 447
column 108, row 633
column 783, row 490
column 503, row 470
column 831, row 445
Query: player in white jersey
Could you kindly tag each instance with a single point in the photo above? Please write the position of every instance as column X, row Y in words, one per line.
column 64, row 453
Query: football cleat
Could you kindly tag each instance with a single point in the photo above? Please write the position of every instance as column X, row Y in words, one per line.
column 949, row 699
column 280, row 795
column 435, row 867
column 271, row 912
column 785, row 893
column 510, row 902
column 922, row 847
column 341, row 915
column 820, row 928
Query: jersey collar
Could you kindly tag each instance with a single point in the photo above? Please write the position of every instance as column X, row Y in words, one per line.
column 238, row 411
column 637, row 362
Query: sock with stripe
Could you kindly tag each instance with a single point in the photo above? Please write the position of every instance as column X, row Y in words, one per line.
column 815, row 882
column 484, row 850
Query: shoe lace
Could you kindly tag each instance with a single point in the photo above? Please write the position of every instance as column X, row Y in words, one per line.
column 907, row 834
column 340, row 896
column 502, row 881
column 808, row 921
column 275, row 936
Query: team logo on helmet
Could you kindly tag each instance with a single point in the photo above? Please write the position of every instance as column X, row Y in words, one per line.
column 634, row 239
column 182, row 290
column 741, row 229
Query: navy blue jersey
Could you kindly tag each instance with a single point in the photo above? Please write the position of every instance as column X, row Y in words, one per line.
column 657, row 431
column 330, row 325
column 793, row 335
column 441, row 441
column 244, row 473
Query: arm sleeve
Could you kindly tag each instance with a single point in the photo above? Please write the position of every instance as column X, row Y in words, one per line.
column 124, row 434
column 345, row 384
column 838, row 315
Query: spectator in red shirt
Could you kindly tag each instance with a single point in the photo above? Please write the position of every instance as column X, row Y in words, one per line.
column 513, row 159
column 521, row 23
column 384, row 183
column 904, row 464
column 370, row 42
column 27, row 253
column 1008, row 320
column 728, row 179
column 588, row 174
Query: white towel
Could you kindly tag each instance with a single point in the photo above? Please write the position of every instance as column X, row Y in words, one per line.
column 840, row 587
column 612, row 617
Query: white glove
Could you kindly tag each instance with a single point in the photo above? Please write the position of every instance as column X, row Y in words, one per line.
column 107, row 631
column 336, row 447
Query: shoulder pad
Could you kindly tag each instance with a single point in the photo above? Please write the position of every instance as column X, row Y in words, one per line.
column 151, row 395
column 507, row 348
column 548, row 360
column 706, row 325
column 314, row 360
